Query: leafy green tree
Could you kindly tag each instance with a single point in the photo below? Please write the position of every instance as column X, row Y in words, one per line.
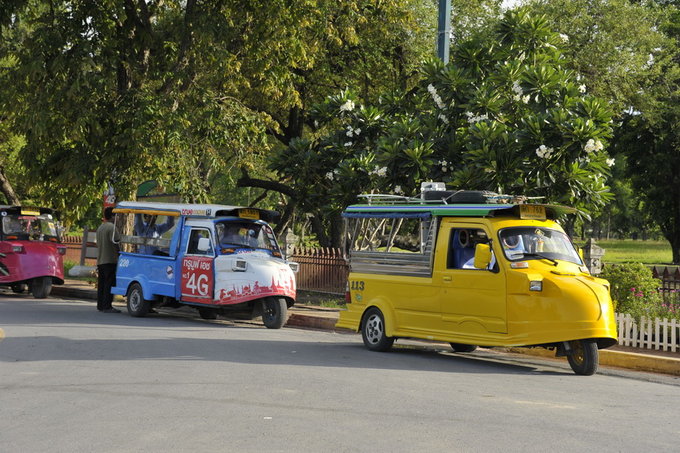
column 611, row 44
column 650, row 138
column 122, row 91
column 505, row 115
column 620, row 50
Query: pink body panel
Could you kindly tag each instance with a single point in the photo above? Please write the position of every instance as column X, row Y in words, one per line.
column 38, row 259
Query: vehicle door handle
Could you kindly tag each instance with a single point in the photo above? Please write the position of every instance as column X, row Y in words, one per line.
column 447, row 278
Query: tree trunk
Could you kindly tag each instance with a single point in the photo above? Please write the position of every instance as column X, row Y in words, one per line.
column 7, row 190
column 674, row 239
column 336, row 230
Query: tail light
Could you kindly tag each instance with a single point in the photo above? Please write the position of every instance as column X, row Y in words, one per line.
column 348, row 296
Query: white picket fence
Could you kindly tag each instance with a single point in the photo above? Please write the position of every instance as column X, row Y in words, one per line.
column 659, row 334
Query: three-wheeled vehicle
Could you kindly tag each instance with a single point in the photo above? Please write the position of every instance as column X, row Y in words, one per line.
column 218, row 259
column 31, row 253
column 472, row 269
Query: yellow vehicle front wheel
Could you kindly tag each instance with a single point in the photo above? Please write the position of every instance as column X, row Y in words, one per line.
column 584, row 357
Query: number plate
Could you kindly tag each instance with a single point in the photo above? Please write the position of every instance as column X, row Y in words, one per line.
column 532, row 212
column 29, row 211
column 249, row 214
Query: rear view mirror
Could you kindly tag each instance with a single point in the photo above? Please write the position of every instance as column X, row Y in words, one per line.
column 482, row 256
column 203, row 245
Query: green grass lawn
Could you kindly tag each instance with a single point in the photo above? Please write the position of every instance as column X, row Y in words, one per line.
column 628, row 250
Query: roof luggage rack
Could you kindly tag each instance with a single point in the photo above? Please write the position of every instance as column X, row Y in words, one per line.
column 435, row 193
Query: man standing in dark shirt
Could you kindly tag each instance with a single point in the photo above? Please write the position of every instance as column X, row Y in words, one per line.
column 107, row 259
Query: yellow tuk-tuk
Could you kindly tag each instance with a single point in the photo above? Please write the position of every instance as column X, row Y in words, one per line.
column 485, row 270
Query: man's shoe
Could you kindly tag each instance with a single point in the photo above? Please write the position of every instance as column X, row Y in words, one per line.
column 111, row 310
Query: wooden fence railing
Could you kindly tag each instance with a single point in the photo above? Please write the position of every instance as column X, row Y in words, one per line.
column 670, row 282
column 322, row 270
column 74, row 245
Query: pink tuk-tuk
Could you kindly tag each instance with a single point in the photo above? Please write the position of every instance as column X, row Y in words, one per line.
column 31, row 253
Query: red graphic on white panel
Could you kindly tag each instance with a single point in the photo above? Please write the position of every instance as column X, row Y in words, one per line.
column 284, row 286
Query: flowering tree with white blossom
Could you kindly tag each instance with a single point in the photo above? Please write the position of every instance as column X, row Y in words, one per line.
column 504, row 115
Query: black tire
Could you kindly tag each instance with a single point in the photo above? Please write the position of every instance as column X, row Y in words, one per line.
column 41, row 287
column 584, row 357
column 19, row 288
column 459, row 347
column 207, row 313
column 373, row 331
column 274, row 312
column 136, row 305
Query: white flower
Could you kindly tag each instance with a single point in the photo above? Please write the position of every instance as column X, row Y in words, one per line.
column 592, row 145
column 444, row 119
column 526, row 98
column 348, row 144
column 517, row 89
column 544, row 152
column 316, row 124
column 564, row 37
column 435, row 96
column 397, row 190
column 357, row 131
column 347, row 106
column 582, row 88
column 329, row 176
column 475, row 119
column 378, row 171
column 610, row 162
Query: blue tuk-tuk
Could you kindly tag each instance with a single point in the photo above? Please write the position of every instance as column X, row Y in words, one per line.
column 219, row 259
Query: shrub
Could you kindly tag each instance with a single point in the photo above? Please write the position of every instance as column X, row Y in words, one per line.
column 634, row 290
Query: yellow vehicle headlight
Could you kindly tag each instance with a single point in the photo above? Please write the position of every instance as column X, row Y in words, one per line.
column 536, row 285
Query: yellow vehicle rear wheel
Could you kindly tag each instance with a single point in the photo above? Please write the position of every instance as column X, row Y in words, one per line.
column 584, row 357
column 459, row 347
column 373, row 331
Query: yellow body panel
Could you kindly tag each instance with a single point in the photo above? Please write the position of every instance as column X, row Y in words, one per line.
column 481, row 307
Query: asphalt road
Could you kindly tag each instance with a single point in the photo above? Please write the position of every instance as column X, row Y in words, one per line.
column 75, row 380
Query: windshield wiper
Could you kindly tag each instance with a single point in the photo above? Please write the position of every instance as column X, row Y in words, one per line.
column 538, row 255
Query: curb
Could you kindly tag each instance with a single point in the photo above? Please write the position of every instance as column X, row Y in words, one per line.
column 313, row 322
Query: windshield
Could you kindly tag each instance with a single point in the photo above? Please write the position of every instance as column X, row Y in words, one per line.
column 531, row 243
column 233, row 234
column 31, row 227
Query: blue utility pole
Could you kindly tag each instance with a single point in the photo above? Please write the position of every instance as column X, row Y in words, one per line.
column 444, row 30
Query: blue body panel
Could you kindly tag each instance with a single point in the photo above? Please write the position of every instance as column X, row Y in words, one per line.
column 158, row 275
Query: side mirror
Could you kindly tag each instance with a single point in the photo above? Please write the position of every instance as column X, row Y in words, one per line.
column 482, row 256
column 203, row 245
